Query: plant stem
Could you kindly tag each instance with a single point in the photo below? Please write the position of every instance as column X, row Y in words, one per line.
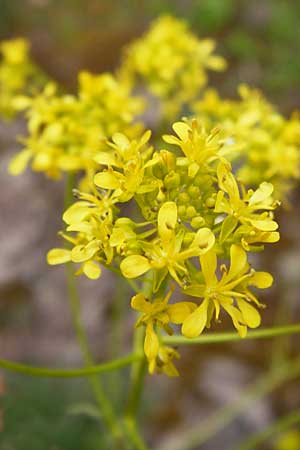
column 104, row 404
column 138, row 373
column 69, row 373
column 133, row 434
column 137, row 376
column 280, row 425
column 200, row 434
column 216, row 338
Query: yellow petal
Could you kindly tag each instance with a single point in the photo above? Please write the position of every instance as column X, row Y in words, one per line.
column 182, row 130
column 105, row 158
column 178, row 312
column 171, row 139
column 18, row 164
column 107, row 180
column 262, row 193
column 238, row 261
column 237, row 319
column 121, row 141
column 151, row 343
column 227, row 182
column 203, row 241
column 228, row 226
column 139, row 303
column 82, row 253
column 134, row 265
column 145, row 138
column 167, row 219
column 261, row 280
column 91, row 270
column 264, row 225
column 77, row 212
column 208, row 263
column 58, row 256
column 193, row 169
column 195, row 323
column 250, row 314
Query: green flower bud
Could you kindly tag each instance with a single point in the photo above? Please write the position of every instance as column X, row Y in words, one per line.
column 173, row 194
column 210, row 202
column 183, row 198
column 191, row 212
column 181, row 211
column 198, row 222
column 172, row 180
column 194, row 191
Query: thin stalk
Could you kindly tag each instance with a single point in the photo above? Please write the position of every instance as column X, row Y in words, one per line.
column 280, row 425
column 137, row 376
column 199, row 434
column 216, row 338
column 69, row 373
column 133, row 434
column 104, row 404
column 138, row 373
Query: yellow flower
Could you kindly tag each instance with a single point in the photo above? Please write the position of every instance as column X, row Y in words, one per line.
column 67, row 131
column 91, row 220
column 246, row 209
column 198, row 146
column 265, row 145
column 19, row 77
column 126, row 167
column 172, row 62
column 160, row 313
column 230, row 292
column 165, row 254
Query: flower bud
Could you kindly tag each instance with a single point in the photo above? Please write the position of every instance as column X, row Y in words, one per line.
column 198, row 222
column 172, row 180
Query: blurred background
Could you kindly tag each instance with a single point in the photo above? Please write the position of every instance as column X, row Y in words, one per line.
column 261, row 41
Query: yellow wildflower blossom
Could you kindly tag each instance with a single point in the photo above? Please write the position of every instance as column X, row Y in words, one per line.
column 172, row 62
column 67, row 131
column 230, row 292
column 165, row 254
column 159, row 313
column 18, row 76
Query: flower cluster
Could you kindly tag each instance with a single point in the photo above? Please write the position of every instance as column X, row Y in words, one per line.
column 65, row 131
column 184, row 214
column 18, row 76
column 172, row 62
column 267, row 146
column 191, row 214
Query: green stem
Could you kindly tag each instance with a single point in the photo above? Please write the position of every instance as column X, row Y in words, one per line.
column 104, row 404
column 69, row 373
column 137, row 376
column 216, row 338
column 133, row 434
column 197, row 436
column 138, row 373
column 280, row 425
